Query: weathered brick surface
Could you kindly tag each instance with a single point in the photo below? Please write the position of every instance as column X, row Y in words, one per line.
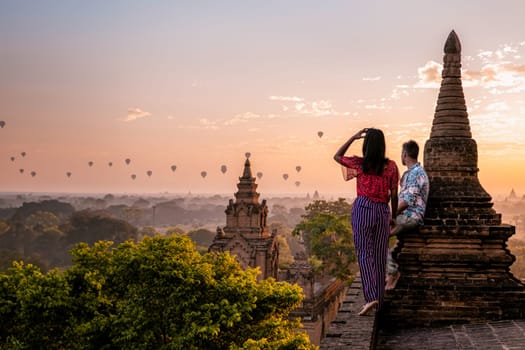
column 349, row 330
column 504, row 335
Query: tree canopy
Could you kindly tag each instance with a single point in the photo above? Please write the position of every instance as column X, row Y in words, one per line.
column 327, row 235
column 156, row 294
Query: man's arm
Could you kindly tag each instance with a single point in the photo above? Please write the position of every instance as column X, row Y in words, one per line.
column 401, row 206
column 393, row 203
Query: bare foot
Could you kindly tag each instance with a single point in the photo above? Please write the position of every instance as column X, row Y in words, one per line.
column 368, row 307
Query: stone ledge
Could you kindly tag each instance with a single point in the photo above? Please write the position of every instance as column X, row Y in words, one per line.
column 348, row 330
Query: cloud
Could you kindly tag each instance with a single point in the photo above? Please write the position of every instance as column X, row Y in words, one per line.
column 286, row 98
column 371, row 78
column 429, row 75
column 136, row 113
column 300, row 106
column 241, row 118
column 208, row 124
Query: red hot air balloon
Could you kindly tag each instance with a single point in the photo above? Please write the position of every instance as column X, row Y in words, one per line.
column 21, row 171
column 33, row 173
column 12, row 159
column 173, row 167
column 224, row 169
column 320, row 134
column 285, row 177
column 247, row 154
column 128, row 161
column 149, row 172
column 259, row 175
column 90, row 163
column 203, row 174
column 297, row 183
column 68, row 174
column 298, row 168
column 133, row 176
column 23, row 154
column 2, row 124
column 110, row 164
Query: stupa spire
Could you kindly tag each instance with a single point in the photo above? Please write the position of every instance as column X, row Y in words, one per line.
column 451, row 117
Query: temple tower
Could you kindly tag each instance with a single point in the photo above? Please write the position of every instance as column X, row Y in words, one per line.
column 454, row 269
column 246, row 234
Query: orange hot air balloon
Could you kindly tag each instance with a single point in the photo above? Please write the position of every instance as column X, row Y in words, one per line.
column 224, row 169
column 128, row 161
column 2, row 124
column 68, row 174
column 285, row 177
column 320, row 134
column 12, row 159
column 90, row 163
column 110, row 164
column 21, row 171
column 298, row 168
column 259, row 175
column 23, row 154
column 247, row 154
column 133, row 176
column 33, row 173
column 297, row 183
column 173, row 167
column 203, row 174
column 149, row 172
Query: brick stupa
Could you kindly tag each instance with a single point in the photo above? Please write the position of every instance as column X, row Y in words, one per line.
column 454, row 269
column 246, row 233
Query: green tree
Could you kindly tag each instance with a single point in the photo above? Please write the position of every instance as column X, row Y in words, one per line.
column 156, row 294
column 327, row 234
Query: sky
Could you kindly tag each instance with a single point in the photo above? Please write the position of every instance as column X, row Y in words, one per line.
column 197, row 84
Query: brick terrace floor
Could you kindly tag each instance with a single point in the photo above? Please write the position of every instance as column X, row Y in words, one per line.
column 505, row 335
column 350, row 331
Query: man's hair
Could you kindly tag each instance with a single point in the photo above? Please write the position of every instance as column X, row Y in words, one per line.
column 374, row 152
column 411, row 148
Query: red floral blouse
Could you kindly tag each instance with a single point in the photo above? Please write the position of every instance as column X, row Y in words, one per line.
column 374, row 187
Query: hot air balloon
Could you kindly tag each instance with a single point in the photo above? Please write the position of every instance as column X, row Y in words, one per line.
column 285, row 176
column 33, row 173
column 320, row 134
column 12, row 159
column 128, row 161
column 297, row 183
column 298, row 168
column 223, row 168
column 90, row 163
column 133, row 176
column 23, row 154
column 173, row 167
column 259, row 175
column 21, row 171
column 149, row 172
column 2, row 124
column 110, row 164
column 68, row 174
column 203, row 174
column 247, row 154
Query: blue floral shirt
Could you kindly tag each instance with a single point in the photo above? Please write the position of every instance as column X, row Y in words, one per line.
column 414, row 191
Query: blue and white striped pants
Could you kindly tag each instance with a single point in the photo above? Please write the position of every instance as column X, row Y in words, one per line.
column 371, row 228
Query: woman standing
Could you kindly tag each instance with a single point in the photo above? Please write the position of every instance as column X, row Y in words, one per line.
column 377, row 180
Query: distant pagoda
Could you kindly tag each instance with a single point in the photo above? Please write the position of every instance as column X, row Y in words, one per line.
column 246, row 234
column 455, row 269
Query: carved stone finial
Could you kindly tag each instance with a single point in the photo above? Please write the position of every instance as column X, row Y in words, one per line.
column 452, row 45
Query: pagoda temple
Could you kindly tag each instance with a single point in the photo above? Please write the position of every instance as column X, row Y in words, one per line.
column 454, row 269
column 246, row 234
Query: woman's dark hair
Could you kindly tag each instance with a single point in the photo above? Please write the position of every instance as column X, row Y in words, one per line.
column 374, row 159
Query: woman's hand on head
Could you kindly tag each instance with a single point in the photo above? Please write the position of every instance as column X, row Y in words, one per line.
column 360, row 134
